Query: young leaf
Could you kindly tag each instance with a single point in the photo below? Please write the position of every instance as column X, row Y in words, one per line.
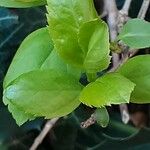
column 109, row 89
column 46, row 93
column 65, row 18
column 94, row 41
column 102, row 116
column 137, row 69
column 136, row 33
column 21, row 3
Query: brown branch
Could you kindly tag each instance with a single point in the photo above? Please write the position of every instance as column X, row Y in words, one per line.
column 144, row 8
column 122, row 18
column 112, row 10
column 116, row 20
column 126, row 6
column 88, row 122
column 123, row 14
column 112, row 17
column 48, row 126
column 124, row 113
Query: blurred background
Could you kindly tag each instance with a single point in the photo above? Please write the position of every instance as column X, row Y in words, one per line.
column 15, row 25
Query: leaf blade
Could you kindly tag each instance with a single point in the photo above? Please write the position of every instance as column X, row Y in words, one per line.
column 94, row 41
column 45, row 93
column 30, row 55
column 20, row 116
column 35, row 53
column 140, row 76
column 107, row 90
column 65, row 17
column 21, row 3
column 136, row 33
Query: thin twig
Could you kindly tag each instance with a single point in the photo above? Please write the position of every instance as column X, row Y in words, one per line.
column 113, row 16
column 112, row 12
column 88, row 122
column 123, row 14
column 119, row 17
column 144, row 8
column 124, row 113
column 126, row 6
column 123, row 17
column 48, row 126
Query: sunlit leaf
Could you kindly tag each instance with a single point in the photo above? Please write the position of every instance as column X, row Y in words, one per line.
column 109, row 89
column 94, row 41
column 65, row 18
column 45, row 93
column 36, row 52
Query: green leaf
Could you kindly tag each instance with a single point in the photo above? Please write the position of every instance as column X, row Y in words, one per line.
column 136, row 33
column 138, row 71
column 22, row 3
column 65, row 18
column 94, row 41
column 36, row 52
column 31, row 54
column 102, row 116
column 53, row 61
column 45, row 93
column 109, row 89
column 20, row 116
